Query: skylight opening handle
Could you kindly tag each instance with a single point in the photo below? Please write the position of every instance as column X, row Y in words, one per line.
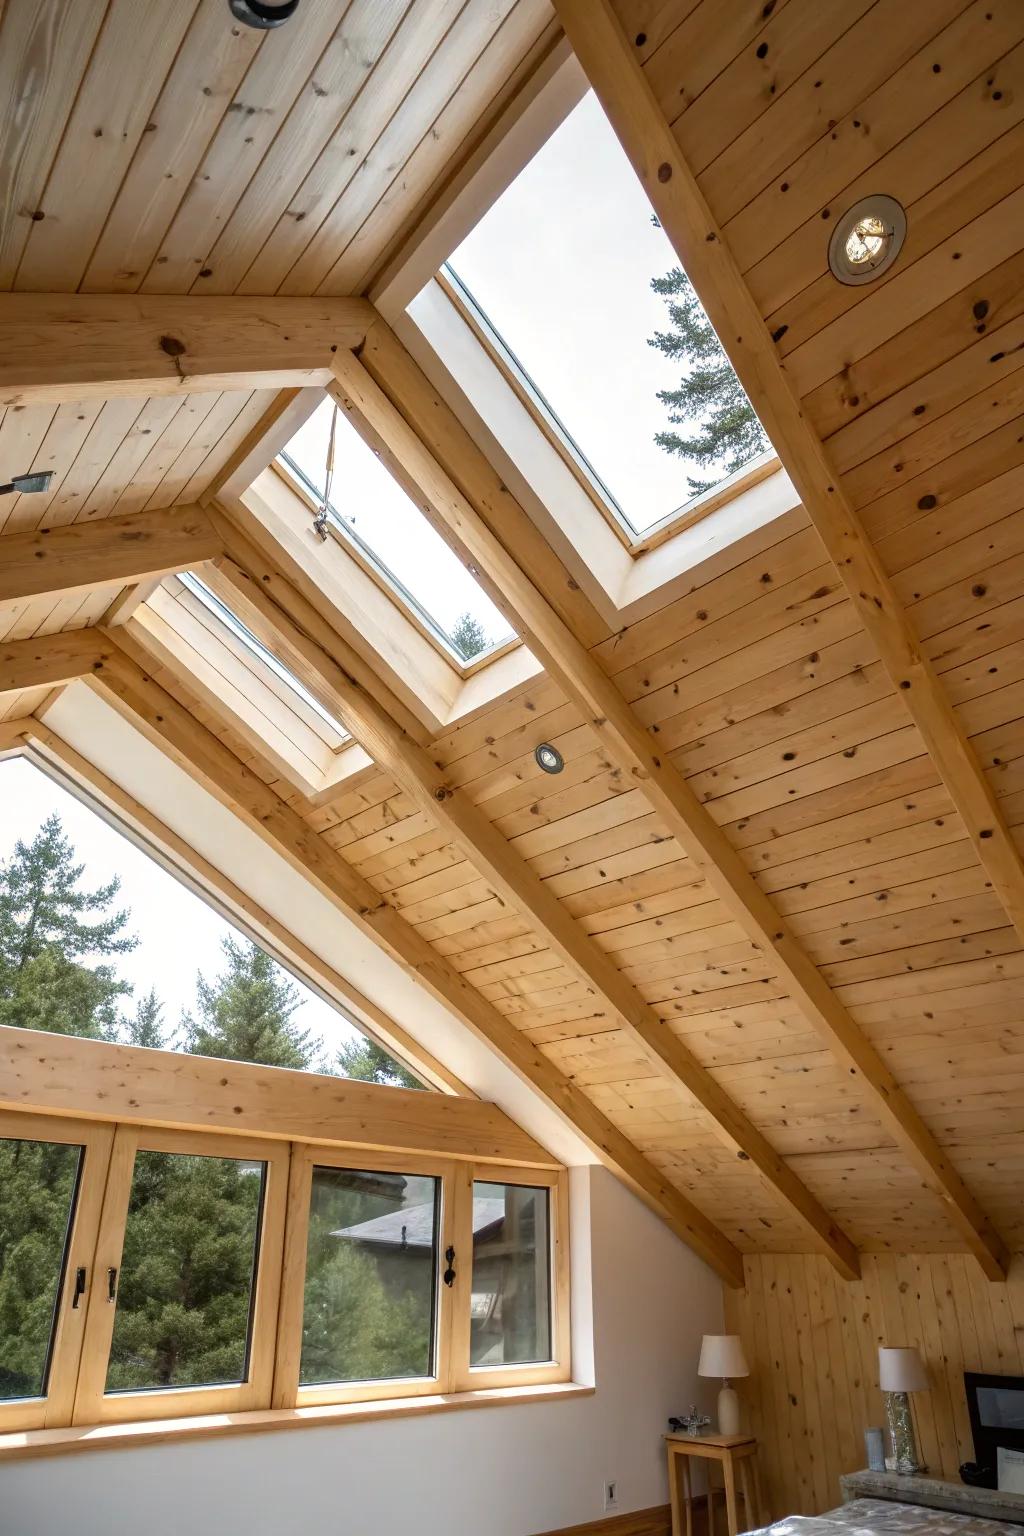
column 320, row 521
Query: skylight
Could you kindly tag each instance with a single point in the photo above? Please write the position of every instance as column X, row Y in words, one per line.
column 370, row 510
column 560, row 270
column 221, row 610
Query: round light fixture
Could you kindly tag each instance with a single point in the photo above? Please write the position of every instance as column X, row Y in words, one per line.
column 263, row 14
column 867, row 239
column 549, row 758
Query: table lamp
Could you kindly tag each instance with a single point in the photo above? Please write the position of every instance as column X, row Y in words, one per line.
column 721, row 1355
column 901, row 1371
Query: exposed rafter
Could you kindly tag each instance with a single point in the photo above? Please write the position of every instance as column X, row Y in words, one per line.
column 52, row 659
column 79, row 346
column 262, row 596
column 112, row 551
column 403, row 430
column 128, row 684
column 609, row 60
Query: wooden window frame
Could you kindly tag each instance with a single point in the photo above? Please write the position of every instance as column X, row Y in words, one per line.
column 93, row 1404
column 69, row 1323
column 470, row 1378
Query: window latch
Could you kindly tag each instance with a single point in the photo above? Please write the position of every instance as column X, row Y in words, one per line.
column 79, row 1291
column 112, row 1283
column 449, row 1275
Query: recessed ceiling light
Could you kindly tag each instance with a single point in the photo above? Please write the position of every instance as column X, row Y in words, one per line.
column 549, row 758
column 867, row 239
column 263, row 14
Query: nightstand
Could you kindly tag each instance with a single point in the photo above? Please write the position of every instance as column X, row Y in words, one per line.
column 737, row 1456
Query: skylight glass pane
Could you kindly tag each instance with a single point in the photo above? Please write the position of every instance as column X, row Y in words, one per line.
column 562, row 268
column 370, row 509
column 211, row 601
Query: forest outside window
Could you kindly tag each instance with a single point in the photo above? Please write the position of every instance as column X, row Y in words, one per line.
column 154, row 1274
column 602, row 334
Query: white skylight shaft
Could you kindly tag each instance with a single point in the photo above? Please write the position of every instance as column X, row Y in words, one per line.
column 370, row 509
column 211, row 601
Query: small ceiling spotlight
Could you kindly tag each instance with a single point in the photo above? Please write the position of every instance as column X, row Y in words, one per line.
column 263, row 14
column 549, row 758
column 867, row 239
column 26, row 484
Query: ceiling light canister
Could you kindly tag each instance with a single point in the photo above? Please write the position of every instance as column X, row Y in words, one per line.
column 867, row 239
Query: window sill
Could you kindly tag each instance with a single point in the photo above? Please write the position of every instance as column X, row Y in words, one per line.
column 110, row 1437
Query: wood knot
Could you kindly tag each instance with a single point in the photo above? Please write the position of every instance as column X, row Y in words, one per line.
column 172, row 346
column 664, row 171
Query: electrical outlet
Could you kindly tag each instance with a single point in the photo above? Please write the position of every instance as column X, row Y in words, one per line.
column 611, row 1494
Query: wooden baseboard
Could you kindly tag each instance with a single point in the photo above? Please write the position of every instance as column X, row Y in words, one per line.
column 644, row 1522
column 641, row 1522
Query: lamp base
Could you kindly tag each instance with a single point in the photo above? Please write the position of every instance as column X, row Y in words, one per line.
column 901, row 1430
column 728, row 1411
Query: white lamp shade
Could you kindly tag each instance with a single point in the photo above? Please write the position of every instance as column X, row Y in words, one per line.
column 721, row 1355
column 901, row 1370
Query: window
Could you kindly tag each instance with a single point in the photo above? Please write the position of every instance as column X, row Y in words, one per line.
column 510, row 1307
column 154, row 1273
column 227, row 617
column 374, row 517
column 128, row 952
column 183, row 1305
column 371, row 1276
column 602, row 329
column 52, row 1173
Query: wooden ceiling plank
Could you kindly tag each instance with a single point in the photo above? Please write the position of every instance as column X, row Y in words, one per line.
column 321, row 269
column 102, row 132
column 287, row 228
column 260, row 596
column 392, row 432
column 210, row 64
column 56, row 347
column 148, row 706
column 44, row 50
column 113, row 550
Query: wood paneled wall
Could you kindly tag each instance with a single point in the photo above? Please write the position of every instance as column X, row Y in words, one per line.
column 811, row 1342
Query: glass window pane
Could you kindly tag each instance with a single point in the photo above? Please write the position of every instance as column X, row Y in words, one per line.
column 184, row 1298
column 371, row 510
column 38, row 1185
column 371, row 1276
column 584, row 290
column 510, row 1309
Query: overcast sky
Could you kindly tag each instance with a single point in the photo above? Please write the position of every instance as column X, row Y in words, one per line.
column 179, row 934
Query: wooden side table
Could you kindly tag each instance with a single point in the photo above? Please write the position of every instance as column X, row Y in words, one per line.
column 737, row 1456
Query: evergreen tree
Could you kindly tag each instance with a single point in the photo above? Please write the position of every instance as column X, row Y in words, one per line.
column 46, row 938
column 146, row 1028
column 367, row 1062
column 721, row 430
column 468, row 636
column 245, row 1014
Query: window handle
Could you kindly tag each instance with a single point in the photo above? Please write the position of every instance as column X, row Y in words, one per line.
column 449, row 1275
column 79, row 1291
column 111, row 1283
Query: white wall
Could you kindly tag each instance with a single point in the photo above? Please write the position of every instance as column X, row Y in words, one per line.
column 489, row 1472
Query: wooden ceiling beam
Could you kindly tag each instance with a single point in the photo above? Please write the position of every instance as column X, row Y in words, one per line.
column 51, row 660
column 393, row 426
column 79, row 346
column 259, row 593
column 609, row 60
column 127, row 683
column 121, row 551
